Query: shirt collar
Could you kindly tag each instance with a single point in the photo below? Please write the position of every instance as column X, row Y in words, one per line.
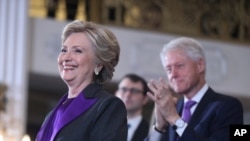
column 134, row 120
column 199, row 95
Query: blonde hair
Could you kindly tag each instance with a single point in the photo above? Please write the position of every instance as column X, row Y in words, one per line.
column 104, row 44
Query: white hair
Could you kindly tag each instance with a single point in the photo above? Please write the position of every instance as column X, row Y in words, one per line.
column 192, row 48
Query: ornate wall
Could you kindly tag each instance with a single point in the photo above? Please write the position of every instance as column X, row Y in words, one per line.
column 219, row 19
column 215, row 19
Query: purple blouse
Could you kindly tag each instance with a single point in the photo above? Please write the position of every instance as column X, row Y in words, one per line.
column 66, row 111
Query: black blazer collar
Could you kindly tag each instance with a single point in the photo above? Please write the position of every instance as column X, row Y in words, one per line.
column 91, row 90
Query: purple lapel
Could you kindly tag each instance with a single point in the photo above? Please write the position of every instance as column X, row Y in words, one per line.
column 70, row 113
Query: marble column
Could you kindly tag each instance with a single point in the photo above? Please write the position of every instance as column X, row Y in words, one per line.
column 13, row 65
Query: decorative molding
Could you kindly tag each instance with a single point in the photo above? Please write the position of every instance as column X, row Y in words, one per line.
column 145, row 58
column 52, row 45
column 216, row 64
column 228, row 21
column 215, row 19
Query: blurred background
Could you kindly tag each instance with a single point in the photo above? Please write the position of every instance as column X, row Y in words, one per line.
column 30, row 42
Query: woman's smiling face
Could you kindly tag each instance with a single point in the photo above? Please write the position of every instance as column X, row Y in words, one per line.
column 76, row 60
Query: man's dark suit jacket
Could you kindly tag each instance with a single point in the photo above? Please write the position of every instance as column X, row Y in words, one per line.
column 211, row 119
column 105, row 120
column 142, row 131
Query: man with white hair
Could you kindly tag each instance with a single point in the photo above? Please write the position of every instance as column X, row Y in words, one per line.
column 201, row 114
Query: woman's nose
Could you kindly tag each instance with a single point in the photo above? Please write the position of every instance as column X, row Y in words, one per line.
column 67, row 56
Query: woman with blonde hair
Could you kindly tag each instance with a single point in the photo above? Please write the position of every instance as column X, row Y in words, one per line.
column 86, row 112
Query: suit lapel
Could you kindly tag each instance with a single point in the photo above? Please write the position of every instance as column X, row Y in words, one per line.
column 85, row 100
column 196, row 117
column 72, row 112
column 201, row 107
column 141, row 131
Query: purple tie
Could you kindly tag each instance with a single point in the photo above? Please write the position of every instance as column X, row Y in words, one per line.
column 186, row 115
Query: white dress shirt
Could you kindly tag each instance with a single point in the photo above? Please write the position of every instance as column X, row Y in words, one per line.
column 156, row 136
column 133, row 124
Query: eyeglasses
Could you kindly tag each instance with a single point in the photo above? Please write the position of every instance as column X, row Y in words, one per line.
column 132, row 90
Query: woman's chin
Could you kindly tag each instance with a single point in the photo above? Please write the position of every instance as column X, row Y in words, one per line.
column 67, row 80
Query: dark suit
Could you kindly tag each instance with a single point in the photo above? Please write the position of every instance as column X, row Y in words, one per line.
column 211, row 119
column 141, row 132
column 104, row 119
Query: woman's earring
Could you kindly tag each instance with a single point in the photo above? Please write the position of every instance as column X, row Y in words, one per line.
column 96, row 71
